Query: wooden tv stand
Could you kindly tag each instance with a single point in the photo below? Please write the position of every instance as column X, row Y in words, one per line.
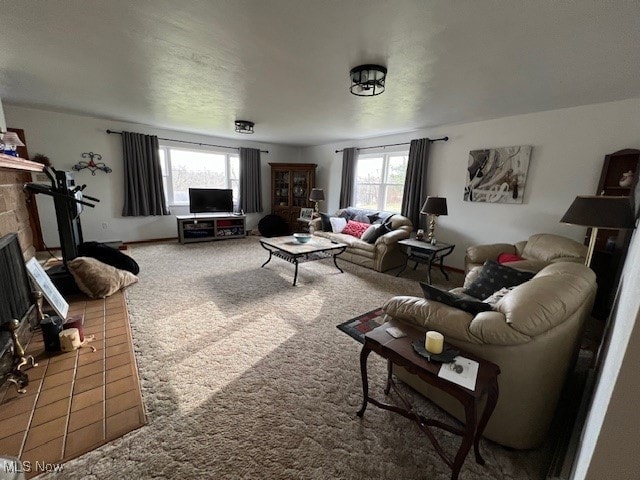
column 210, row 226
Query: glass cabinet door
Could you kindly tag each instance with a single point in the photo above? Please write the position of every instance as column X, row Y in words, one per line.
column 300, row 189
column 281, row 187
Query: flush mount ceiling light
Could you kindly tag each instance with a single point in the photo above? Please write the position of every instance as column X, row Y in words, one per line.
column 368, row 80
column 244, row 126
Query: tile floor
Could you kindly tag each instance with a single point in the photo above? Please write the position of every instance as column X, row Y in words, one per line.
column 79, row 400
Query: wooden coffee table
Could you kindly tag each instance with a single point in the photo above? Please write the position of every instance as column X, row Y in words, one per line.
column 289, row 249
column 400, row 352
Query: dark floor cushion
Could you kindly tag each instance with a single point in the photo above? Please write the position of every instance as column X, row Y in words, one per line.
column 493, row 277
column 109, row 255
column 273, row 226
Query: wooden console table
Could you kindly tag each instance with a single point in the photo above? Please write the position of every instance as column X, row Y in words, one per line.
column 399, row 351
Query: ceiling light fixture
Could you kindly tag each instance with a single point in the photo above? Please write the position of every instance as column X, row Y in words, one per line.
column 244, row 126
column 368, row 80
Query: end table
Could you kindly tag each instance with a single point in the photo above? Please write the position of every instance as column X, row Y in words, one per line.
column 423, row 252
column 398, row 351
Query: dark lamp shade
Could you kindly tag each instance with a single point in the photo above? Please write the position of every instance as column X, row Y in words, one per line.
column 435, row 206
column 317, row 195
column 600, row 212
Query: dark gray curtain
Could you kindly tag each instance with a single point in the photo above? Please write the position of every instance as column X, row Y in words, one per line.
column 143, row 189
column 250, row 184
column 415, row 183
column 349, row 158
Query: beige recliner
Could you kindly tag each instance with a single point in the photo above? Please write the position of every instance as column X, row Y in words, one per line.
column 538, row 252
column 532, row 335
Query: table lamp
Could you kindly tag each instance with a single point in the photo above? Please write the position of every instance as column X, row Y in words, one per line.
column 317, row 195
column 434, row 206
column 594, row 211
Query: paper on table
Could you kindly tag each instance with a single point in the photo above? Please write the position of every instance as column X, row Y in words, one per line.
column 466, row 378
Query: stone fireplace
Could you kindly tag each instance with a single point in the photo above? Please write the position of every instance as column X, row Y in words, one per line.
column 16, row 247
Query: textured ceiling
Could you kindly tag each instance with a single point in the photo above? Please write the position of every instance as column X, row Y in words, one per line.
column 197, row 66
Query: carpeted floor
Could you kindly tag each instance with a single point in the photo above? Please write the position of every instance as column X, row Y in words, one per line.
column 245, row 376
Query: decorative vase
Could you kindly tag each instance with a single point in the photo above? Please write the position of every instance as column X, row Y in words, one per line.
column 627, row 179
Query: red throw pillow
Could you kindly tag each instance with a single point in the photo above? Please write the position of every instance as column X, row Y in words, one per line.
column 355, row 229
column 508, row 257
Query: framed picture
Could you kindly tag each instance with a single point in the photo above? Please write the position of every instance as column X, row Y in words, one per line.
column 48, row 289
column 306, row 214
column 497, row 175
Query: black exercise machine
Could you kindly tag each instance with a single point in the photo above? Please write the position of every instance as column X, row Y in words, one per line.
column 69, row 201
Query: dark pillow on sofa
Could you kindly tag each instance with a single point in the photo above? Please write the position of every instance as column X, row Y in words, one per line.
column 380, row 231
column 347, row 214
column 374, row 217
column 470, row 305
column 326, row 223
column 109, row 255
column 493, row 277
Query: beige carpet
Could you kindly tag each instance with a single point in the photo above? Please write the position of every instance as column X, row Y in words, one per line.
column 245, row 376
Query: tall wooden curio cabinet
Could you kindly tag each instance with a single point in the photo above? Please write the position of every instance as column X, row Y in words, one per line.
column 291, row 184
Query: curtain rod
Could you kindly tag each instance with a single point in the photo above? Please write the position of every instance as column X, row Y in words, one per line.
column 192, row 143
column 443, row 139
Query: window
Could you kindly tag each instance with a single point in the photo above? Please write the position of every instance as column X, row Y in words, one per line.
column 380, row 181
column 183, row 169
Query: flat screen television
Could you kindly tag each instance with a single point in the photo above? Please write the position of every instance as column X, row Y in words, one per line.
column 210, row 200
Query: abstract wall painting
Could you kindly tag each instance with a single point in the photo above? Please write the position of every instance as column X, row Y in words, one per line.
column 497, row 175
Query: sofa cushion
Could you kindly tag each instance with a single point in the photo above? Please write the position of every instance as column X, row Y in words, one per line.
column 547, row 247
column 355, row 229
column 337, row 224
column 463, row 302
column 493, row 277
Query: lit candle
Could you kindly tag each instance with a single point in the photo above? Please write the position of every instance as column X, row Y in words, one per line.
column 434, row 342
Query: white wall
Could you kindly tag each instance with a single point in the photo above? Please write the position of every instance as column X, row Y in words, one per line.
column 569, row 146
column 64, row 137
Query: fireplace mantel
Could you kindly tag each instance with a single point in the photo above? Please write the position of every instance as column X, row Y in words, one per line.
column 17, row 163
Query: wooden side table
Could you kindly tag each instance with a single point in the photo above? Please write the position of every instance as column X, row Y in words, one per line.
column 398, row 351
column 423, row 252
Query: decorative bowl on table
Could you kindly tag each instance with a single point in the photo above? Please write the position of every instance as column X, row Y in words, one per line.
column 302, row 237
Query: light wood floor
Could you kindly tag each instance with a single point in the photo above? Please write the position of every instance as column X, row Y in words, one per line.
column 79, row 400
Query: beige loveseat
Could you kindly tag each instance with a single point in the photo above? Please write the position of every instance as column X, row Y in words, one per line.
column 538, row 252
column 382, row 255
column 532, row 335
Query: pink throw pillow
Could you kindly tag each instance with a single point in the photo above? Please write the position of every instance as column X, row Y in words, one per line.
column 508, row 257
column 355, row 229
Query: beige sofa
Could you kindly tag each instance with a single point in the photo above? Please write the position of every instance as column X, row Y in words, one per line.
column 532, row 334
column 538, row 252
column 382, row 255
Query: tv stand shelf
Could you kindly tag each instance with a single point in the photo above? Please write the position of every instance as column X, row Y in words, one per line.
column 210, row 226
